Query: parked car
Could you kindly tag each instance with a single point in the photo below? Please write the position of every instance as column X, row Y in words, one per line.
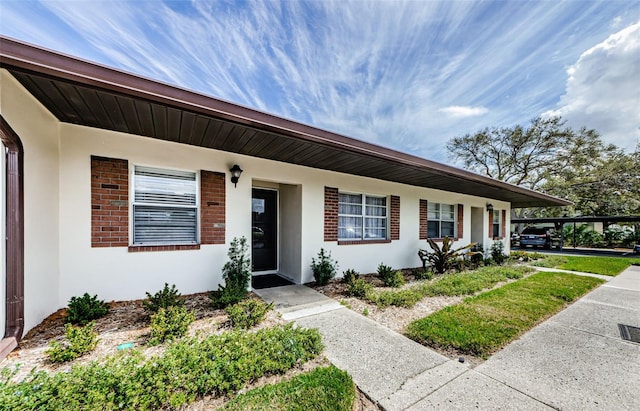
column 537, row 237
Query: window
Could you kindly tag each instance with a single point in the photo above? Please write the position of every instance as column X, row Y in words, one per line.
column 496, row 223
column 362, row 217
column 165, row 206
column 441, row 220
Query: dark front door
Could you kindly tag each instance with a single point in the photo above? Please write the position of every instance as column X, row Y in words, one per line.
column 264, row 228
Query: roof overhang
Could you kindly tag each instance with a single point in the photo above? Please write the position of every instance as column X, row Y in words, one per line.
column 80, row 92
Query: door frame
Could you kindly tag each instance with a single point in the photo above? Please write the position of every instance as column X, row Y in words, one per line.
column 277, row 225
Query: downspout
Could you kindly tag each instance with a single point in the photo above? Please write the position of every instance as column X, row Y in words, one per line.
column 14, row 324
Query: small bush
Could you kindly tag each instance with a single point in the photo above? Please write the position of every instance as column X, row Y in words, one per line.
column 79, row 341
column 85, row 309
column 359, row 288
column 350, row 276
column 389, row 277
column 165, row 298
column 187, row 370
column 497, row 252
column 324, row 268
column 422, row 274
column 248, row 313
column 401, row 298
column 236, row 274
column 169, row 324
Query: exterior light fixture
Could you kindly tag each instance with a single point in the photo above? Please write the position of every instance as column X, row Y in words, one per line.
column 489, row 207
column 235, row 174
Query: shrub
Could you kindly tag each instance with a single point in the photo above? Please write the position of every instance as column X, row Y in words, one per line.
column 85, row 309
column 359, row 288
column 236, row 274
column 248, row 313
column 324, row 268
column 188, row 369
column 422, row 274
column 442, row 259
column 170, row 323
column 400, row 298
column 165, row 298
column 497, row 252
column 390, row 277
column 350, row 276
column 79, row 341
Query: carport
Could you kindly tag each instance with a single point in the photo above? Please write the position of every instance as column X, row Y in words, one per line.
column 559, row 222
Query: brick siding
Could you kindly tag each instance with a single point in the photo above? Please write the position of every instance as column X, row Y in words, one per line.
column 460, row 221
column 330, row 214
column 423, row 231
column 212, row 207
column 109, row 202
column 395, row 218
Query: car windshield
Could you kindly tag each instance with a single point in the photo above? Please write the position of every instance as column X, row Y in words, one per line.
column 534, row 230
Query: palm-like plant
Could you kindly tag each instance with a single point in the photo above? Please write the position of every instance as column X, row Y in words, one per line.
column 441, row 259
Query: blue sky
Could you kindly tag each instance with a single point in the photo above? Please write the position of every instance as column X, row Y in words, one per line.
column 406, row 75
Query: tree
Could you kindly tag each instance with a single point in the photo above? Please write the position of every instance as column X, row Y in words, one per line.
column 538, row 156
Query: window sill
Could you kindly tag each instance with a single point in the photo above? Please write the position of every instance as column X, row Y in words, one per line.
column 354, row 242
column 167, row 247
column 439, row 240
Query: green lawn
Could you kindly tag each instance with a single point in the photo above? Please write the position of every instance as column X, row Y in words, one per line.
column 321, row 389
column 462, row 283
column 596, row 265
column 485, row 323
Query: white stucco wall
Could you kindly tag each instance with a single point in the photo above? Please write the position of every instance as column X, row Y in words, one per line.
column 38, row 131
column 60, row 262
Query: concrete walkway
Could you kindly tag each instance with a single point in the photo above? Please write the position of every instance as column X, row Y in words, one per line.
column 575, row 360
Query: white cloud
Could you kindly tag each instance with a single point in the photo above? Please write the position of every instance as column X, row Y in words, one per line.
column 603, row 89
column 463, row 111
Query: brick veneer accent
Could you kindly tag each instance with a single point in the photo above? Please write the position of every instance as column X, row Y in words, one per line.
column 330, row 214
column 395, row 218
column 109, row 202
column 491, row 223
column 460, row 221
column 423, row 231
column 212, row 207
column 169, row 247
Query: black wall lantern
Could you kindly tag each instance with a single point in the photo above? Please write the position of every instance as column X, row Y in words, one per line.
column 489, row 207
column 235, row 174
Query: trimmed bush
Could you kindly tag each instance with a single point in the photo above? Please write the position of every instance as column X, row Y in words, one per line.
column 497, row 252
column 390, row 277
column 79, row 341
column 359, row 288
column 349, row 276
column 324, row 268
column 236, row 274
column 247, row 313
column 85, row 309
column 165, row 298
column 169, row 324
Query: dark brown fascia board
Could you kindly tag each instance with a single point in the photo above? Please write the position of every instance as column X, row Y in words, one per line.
column 21, row 56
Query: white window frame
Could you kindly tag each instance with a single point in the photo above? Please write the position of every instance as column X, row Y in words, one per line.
column 133, row 203
column 363, row 216
column 497, row 214
column 440, row 219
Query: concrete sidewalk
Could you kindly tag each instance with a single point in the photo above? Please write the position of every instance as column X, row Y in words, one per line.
column 575, row 360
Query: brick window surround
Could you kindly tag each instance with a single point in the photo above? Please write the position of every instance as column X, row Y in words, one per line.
column 503, row 228
column 423, row 230
column 331, row 197
column 394, row 215
column 330, row 214
column 110, row 207
column 109, row 202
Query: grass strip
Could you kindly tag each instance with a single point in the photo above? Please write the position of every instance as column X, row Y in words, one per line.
column 611, row 266
column 323, row 389
column 485, row 323
column 462, row 283
column 188, row 369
